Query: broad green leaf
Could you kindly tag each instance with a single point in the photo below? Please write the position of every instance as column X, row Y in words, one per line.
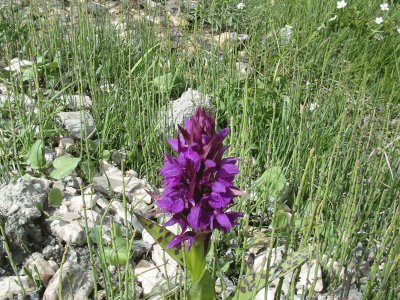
column 28, row 74
column 39, row 207
column 106, row 155
column 55, row 197
column 162, row 236
column 281, row 219
column 36, row 155
column 169, row 83
column 50, row 66
column 274, row 180
column 64, row 166
column 27, row 177
column 89, row 168
column 203, row 288
column 225, row 267
column 117, row 230
column 255, row 282
column 118, row 255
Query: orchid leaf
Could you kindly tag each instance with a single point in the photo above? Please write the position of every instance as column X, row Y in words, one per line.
column 196, row 257
column 162, row 236
column 253, row 283
column 203, row 288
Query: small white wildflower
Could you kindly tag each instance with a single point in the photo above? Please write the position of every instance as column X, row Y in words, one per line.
column 241, row 5
column 286, row 34
column 341, row 4
column 333, row 18
column 308, row 83
column 385, row 6
column 378, row 20
column 313, row 106
column 398, row 29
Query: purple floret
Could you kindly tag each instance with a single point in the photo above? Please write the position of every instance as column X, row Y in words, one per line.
column 199, row 181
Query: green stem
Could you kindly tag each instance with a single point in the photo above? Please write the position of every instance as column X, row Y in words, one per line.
column 196, row 257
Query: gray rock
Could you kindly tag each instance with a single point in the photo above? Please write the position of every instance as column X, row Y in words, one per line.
column 116, row 209
column 70, row 191
column 260, row 261
column 77, row 283
column 229, row 39
column 184, row 107
column 10, row 288
column 96, row 9
column 244, row 69
column 147, row 237
column 118, row 156
column 270, row 294
column 3, row 89
column 18, row 206
column 16, row 65
column 140, row 248
column 46, row 272
column 102, row 183
column 79, row 124
column 176, row 7
column 68, row 231
column 73, row 256
column 336, row 295
column 151, row 4
column 149, row 276
column 49, row 155
column 310, row 274
column 77, row 203
column 93, row 216
column 224, row 286
column 41, row 183
column 190, row 5
column 52, row 252
column 72, row 181
column 66, row 143
column 26, row 101
column 76, row 101
column 64, row 214
column 173, row 6
column 167, row 265
column 54, row 265
column 285, row 34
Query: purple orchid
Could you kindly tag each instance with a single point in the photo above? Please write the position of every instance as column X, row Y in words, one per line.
column 199, row 181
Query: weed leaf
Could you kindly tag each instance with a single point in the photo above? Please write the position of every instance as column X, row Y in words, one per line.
column 36, row 155
column 64, row 166
column 55, row 197
column 203, row 288
column 117, row 255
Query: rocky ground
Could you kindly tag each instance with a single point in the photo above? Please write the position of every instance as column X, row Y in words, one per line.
column 42, row 237
column 51, row 241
